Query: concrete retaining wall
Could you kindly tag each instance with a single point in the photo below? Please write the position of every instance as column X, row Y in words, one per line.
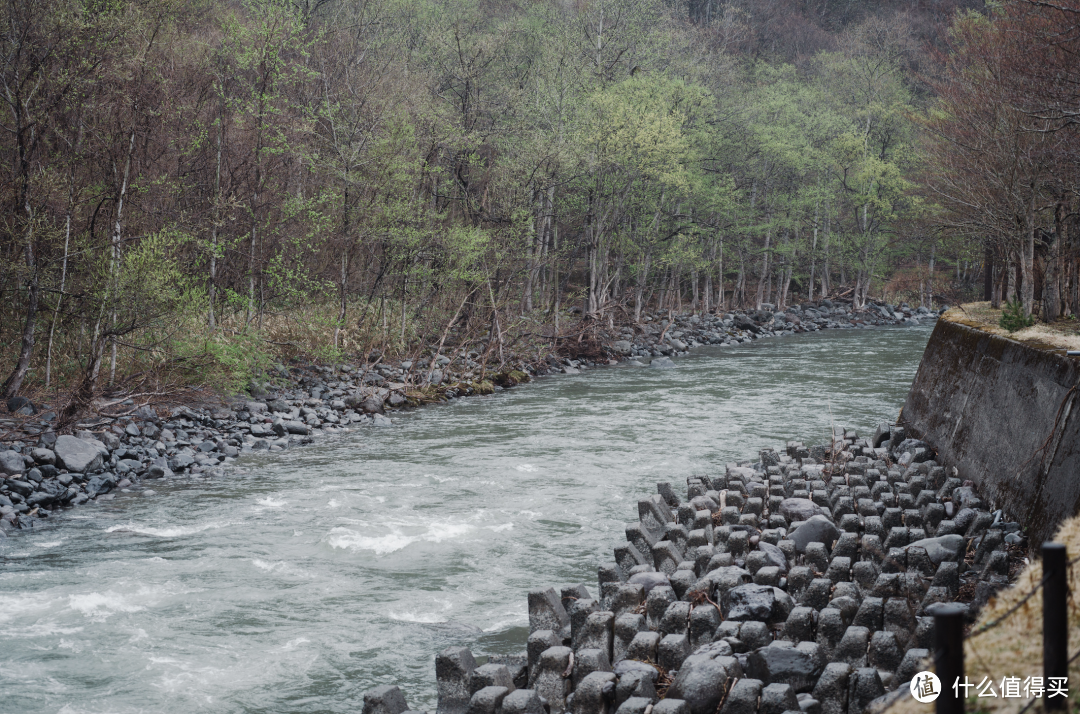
column 1002, row 413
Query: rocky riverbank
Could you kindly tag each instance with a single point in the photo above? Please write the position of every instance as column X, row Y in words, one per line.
column 43, row 471
column 801, row 582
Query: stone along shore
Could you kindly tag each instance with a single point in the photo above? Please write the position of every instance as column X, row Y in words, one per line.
column 797, row 584
column 41, row 471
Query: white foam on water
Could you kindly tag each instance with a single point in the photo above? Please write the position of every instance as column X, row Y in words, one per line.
column 530, row 514
column 515, row 620
column 397, row 536
column 271, row 502
column 332, row 503
column 424, row 617
column 98, row 607
column 293, row 644
column 441, row 479
column 175, row 532
column 49, row 543
column 345, row 538
column 500, row 528
column 527, row 468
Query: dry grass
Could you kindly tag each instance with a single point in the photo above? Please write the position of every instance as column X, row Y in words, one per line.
column 1014, row 648
column 1061, row 334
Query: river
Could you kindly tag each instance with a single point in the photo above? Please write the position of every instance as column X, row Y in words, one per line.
column 303, row 578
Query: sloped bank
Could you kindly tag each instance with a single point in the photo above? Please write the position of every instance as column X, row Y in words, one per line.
column 41, row 472
column 798, row 583
column 1002, row 412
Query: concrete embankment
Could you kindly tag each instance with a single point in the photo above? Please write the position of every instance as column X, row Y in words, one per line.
column 1002, row 412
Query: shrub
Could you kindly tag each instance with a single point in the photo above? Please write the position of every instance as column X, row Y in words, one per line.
column 1013, row 318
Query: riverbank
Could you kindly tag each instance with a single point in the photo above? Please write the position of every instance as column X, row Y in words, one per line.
column 802, row 581
column 45, row 471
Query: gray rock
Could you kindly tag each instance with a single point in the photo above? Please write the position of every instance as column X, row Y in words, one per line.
column 831, row 690
column 40, row 456
column 11, row 463
column 77, row 455
column 649, row 581
column 549, row 682
column 758, row 602
column 940, row 549
column 743, row 697
column 490, row 675
column 384, row 699
column 701, row 683
column 785, row 663
column 662, row 363
column 487, row 700
column 522, row 701
column 668, row 705
column 864, row 687
column 593, row 694
column 817, row 529
column 799, row 509
column 633, row 705
column 778, row 698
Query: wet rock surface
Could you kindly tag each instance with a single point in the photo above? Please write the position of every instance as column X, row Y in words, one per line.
column 792, row 583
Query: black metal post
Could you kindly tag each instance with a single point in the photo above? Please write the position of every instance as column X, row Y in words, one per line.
column 949, row 656
column 1055, row 623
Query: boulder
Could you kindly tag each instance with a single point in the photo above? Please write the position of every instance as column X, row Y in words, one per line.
column 662, row 363
column 384, row 699
column 77, row 455
column 763, row 603
column 11, row 463
column 799, row 509
column 817, row 529
column 701, row 682
column 942, row 548
column 785, row 663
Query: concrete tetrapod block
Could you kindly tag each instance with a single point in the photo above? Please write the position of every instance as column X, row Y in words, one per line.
column 579, row 611
column 831, row 690
column 743, row 697
column 671, row 706
column 594, row 694
column 490, row 675
column 704, row 619
column 538, row 643
column 546, row 612
column 672, row 650
column 522, row 701
column 452, row 669
column 587, row 661
column 643, row 647
column 384, row 699
column 626, row 629
column 636, row 681
column 598, row 632
column 782, row 662
column 487, row 700
column 864, row 687
column 552, row 680
column 777, row 699
column 634, row 705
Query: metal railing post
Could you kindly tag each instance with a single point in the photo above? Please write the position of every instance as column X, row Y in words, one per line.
column 1055, row 622
column 949, row 655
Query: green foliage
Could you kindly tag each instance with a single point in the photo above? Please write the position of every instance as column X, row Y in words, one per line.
column 1013, row 318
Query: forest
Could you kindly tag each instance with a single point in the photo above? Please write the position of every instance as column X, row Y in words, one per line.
column 194, row 189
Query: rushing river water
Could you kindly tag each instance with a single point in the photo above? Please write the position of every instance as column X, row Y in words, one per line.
column 306, row 577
